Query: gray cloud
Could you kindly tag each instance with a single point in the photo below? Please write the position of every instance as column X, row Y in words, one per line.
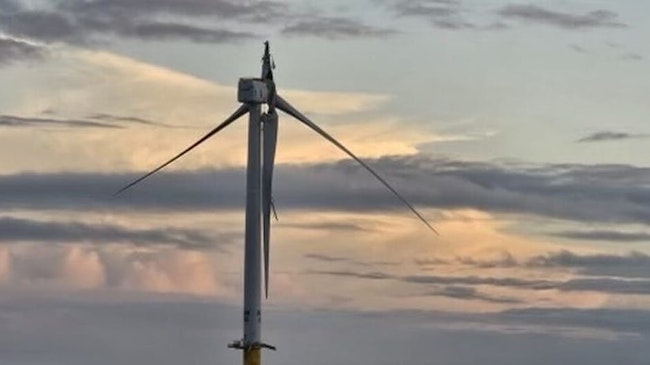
column 537, row 14
column 505, row 260
column 557, row 259
column 334, row 28
column 357, row 275
column 327, row 226
column 476, row 280
column 603, row 235
column 624, row 320
column 632, row 265
column 445, row 14
column 451, row 284
column 13, row 50
column 97, row 21
column 8, row 5
column 431, row 261
column 161, row 31
column 578, row 48
column 14, row 121
column 608, row 285
column 125, row 119
column 42, row 25
column 566, row 258
column 632, row 56
column 25, row 230
column 345, row 260
column 610, row 136
column 95, row 191
column 447, row 280
column 452, row 24
column 427, row 7
column 326, row 258
column 582, row 193
column 248, row 11
column 469, row 293
column 81, row 328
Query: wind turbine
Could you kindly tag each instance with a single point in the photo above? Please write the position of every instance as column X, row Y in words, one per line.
column 262, row 140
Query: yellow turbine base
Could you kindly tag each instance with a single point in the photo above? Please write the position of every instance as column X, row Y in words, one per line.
column 253, row 356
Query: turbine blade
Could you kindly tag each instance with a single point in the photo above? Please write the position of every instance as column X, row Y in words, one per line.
column 267, row 63
column 238, row 113
column 269, row 141
column 275, row 212
column 287, row 108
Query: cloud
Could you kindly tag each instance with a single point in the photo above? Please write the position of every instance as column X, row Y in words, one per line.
column 248, row 11
column 326, row 258
column 431, row 261
column 14, row 121
column 14, row 50
column 113, row 268
column 462, row 287
column 446, row 280
column 137, row 89
column 351, row 274
column 427, row 7
column 469, row 293
column 476, row 280
column 25, row 230
column 632, row 56
column 604, row 235
column 41, row 25
column 98, row 21
column 125, row 119
column 536, row 14
column 327, row 226
column 634, row 264
column 578, row 48
column 567, row 258
column 8, row 5
column 334, row 103
column 610, row 136
column 444, row 14
column 165, row 330
column 608, row 285
column 346, row 260
column 85, row 23
column 505, row 259
column 160, row 31
column 555, row 259
column 623, row 320
column 581, row 193
column 334, row 28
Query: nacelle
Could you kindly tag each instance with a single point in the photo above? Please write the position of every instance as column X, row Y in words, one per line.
column 252, row 91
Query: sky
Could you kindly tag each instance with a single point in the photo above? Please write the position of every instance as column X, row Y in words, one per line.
column 517, row 128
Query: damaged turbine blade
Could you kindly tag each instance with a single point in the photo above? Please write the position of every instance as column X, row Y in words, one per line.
column 287, row 108
column 238, row 113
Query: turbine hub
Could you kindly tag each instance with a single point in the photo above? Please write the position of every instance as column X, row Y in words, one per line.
column 253, row 91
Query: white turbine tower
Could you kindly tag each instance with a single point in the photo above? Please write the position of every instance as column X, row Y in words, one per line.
column 262, row 139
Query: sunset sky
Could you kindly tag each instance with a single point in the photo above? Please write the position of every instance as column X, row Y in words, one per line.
column 518, row 129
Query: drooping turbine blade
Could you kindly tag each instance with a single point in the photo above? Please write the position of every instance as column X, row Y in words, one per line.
column 287, row 108
column 238, row 113
column 275, row 212
column 267, row 75
column 269, row 142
